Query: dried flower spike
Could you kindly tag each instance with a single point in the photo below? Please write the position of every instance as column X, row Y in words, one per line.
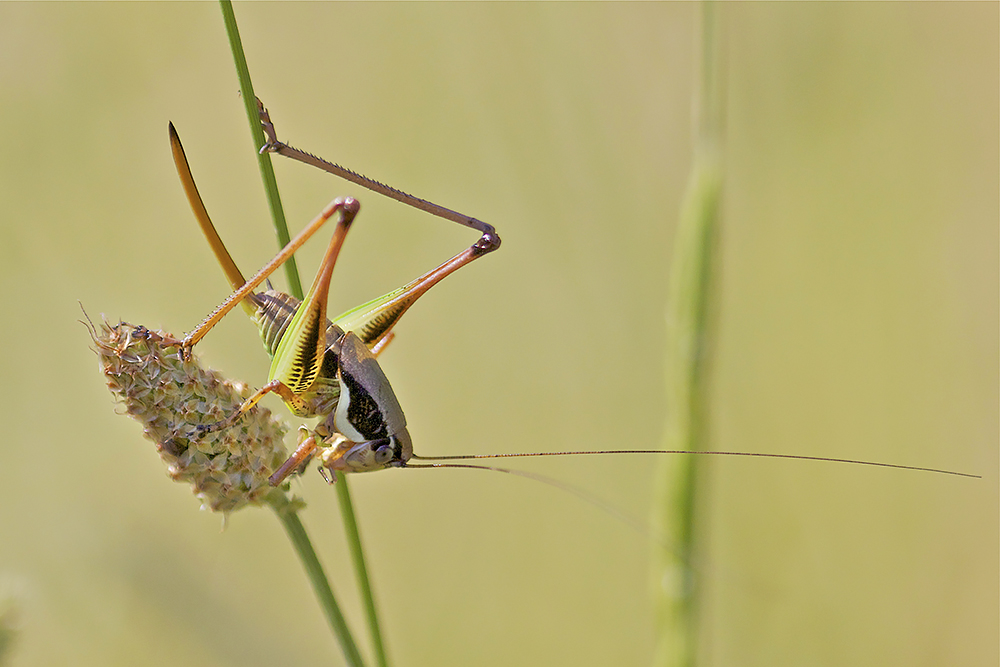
column 227, row 469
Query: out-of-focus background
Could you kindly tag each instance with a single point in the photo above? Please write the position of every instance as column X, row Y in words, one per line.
column 857, row 317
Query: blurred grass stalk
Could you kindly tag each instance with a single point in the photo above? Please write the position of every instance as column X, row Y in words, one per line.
column 687, row 347
column 286, row 513
column 9, row 622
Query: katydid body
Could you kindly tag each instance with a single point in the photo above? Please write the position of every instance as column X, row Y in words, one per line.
column 328, row 369
column 318, row 367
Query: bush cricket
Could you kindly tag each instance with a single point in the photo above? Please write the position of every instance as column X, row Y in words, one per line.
column 328, row 369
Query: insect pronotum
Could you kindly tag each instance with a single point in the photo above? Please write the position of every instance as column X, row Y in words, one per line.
column 329, row 369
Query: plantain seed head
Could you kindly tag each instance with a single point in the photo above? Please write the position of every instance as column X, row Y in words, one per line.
column 227, row 469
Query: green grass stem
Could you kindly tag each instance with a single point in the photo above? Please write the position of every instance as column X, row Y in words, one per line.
column 687, row 348
column 257, row 133
column 292, row 524
column 360, row 569
column 288, row 515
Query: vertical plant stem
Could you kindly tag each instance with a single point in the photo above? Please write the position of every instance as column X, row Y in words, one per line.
column 263, row 160
column 289, row 517
column 360, row 569
column 688, row 338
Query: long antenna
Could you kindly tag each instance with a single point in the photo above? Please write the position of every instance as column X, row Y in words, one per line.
column 797, row 457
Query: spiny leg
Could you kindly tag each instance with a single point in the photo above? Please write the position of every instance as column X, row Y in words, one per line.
column 374, row 319
column 274, row 386
column 300, row 353
column 302, row 454
column 300, row 457
column 348, row 207
column 489, row 239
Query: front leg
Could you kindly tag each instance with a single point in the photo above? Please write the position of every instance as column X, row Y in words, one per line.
column 299, row 458
column 274, row 386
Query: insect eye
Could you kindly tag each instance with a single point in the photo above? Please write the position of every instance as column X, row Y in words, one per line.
column 383, row 452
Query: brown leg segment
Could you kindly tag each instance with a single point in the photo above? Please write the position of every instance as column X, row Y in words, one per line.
column 274, row 386
column 300, row 456
column 348, row 208
column 489, row 241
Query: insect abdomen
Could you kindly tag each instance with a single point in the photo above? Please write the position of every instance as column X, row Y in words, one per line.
column 275, row 311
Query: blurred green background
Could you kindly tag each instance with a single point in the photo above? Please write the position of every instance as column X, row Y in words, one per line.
column 857, row 317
